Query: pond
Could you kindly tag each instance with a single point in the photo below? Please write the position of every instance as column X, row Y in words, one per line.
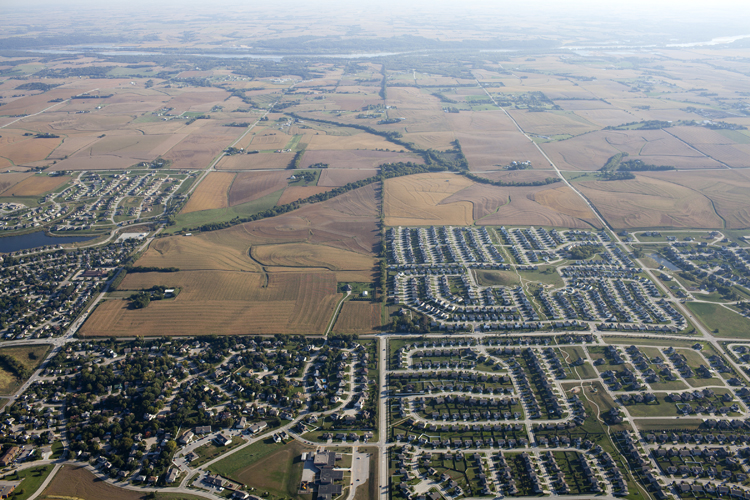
column 664, row 262
column 10, row 244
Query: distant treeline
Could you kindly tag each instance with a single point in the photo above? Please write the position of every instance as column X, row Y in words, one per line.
column 151, row 269
column 484, row 180
column 44, row 87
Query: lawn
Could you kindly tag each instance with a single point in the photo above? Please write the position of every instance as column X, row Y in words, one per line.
column 721, row 321
column 31, row 480
column 547, row 275
column 497, row 278
column 267, row 467
column 210, row 451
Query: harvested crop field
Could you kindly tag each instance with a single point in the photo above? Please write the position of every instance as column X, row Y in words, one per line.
column 535, row 205
column 489, row 151
column 8, row 180
column 75, row 482
column 211, row 193
column 211, row 250
column 656, row 147
column 36, row 185
column 294, row 193
column 338, row 177
column 202, row 146
column 715, row 144
column 431, row 140
column 260, row 161
column 552, row 123
column 27, row 149
column 304, row 255
column 348, row 142
column 249, row 186
column 358, row 317
column 269, row 140
column 356, row 159
column 348, row 222
column 647, row 202
column 222, row 303
column 729, row 190
column 417, row 200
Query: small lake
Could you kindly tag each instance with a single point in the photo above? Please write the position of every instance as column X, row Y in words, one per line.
column 664, row 262
column 32, row 240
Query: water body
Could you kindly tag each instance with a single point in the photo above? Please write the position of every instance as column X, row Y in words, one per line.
column 237, row 55
column 33, row 240
column 664, row 262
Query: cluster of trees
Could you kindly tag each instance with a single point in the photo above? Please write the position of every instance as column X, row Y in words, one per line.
column 44, row 87
column 583, row 252
column 296, row 160
column 484, row 180
column 11, row 364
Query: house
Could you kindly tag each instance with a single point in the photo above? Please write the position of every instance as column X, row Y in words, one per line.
column 9, row 455
column 216, row 480
column 222, row 440
column 256, row 428
column 172, row 475
column 203, row 429
column 7, row 487
column 185, row 437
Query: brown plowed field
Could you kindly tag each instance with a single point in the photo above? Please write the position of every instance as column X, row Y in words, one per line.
column 249, row 186
column 223, row 303
column 647, row 202
column 211, row 193
column 338, row 177
column 358, row 317
column 294, row 193
column 36, row 185
column 75, row 482
column 305, row 255
column 260, row 161
column 417, row 200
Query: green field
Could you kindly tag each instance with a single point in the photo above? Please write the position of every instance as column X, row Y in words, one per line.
column 31, row 480
column 268, row 467
column 497, row 278
column 721, row 321
column 219, row 215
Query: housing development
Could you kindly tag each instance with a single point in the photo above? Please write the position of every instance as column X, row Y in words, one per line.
column 374, row 251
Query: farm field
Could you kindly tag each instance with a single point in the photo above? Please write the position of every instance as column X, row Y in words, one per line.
column 76, row 482
column 294, row 193
column 36, row 185
column 339, row 177
column 8, row 180
column 250, row 186
column 358, row 317
column 646, row 202
column 211, row 193
column 355, row 159
column 417, row 200
column 728, row 190
column 656, row 147
column 260, row 161
column 305, row 256
column 222, row 303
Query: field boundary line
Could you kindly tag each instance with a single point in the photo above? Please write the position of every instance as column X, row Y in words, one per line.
column 336, row 313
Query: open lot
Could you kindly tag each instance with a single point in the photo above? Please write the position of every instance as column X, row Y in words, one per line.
column 76, row 482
